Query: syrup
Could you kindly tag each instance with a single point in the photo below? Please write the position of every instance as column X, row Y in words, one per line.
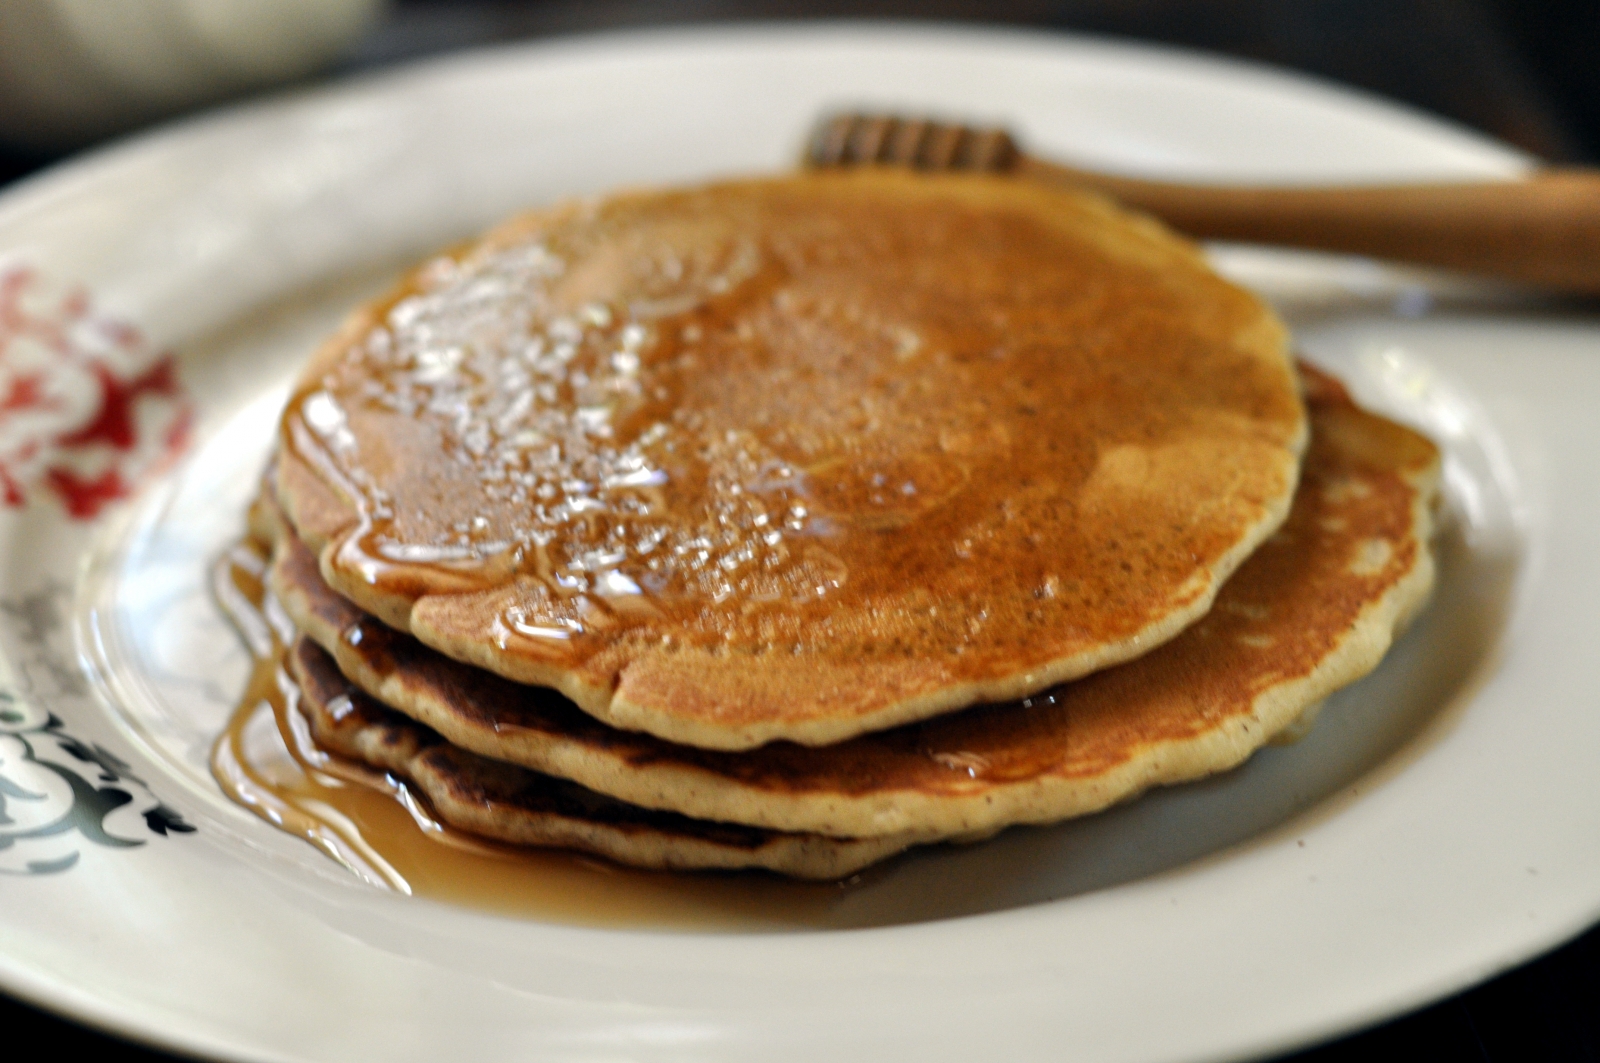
column 376, row 827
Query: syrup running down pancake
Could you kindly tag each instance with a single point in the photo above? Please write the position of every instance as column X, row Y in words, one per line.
column 797, row 458
column 506, row 803
column 1313, row 609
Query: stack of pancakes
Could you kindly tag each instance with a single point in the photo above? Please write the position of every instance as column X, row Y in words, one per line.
column 789, row 523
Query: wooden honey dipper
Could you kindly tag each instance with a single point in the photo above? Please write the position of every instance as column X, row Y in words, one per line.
column 1541, row 229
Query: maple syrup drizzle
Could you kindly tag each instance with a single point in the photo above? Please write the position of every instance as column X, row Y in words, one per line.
column 376, row 827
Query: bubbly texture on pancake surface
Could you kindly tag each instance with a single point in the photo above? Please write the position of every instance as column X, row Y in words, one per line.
column 506, row 803
column 799, row 457
column 1314, row 608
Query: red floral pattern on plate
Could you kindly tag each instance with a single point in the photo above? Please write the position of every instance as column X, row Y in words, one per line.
column 88, row 408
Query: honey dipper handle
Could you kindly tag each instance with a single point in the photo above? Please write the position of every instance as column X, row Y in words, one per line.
column 1541, row 229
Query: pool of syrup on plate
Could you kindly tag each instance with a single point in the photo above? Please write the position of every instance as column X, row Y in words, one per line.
column 373, row 824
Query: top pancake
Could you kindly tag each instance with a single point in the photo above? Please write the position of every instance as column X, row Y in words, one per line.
column 801, row 457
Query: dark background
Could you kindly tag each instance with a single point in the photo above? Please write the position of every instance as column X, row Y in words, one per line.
column 1525, row 71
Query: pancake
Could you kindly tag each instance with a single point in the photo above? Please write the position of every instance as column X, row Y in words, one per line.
column 502, row 802
column 1314, row 608
column 797, row 458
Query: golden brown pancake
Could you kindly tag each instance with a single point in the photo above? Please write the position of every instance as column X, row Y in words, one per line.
column 503, row 802
column 1314, row 608
column 798, row 458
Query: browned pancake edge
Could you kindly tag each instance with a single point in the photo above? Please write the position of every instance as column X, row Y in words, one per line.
column 506, row 803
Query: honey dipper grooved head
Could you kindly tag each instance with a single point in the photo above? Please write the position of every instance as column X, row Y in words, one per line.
column 886, row 140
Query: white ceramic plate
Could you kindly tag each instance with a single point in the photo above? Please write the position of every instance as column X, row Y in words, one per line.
column 1438, row 825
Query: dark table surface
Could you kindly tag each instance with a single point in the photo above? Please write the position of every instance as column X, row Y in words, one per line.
column 1521, row 70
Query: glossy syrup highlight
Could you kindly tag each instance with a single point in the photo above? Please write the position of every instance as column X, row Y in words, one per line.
column 372, row 824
